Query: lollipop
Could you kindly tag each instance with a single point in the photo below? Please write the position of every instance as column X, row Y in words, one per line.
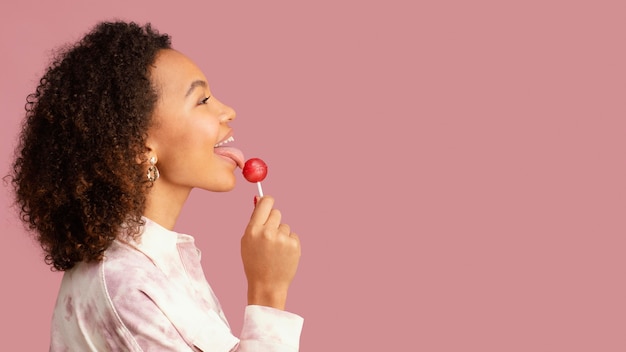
column 255, row 170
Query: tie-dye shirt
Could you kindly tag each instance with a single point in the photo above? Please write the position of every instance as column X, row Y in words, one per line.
column 151, row 295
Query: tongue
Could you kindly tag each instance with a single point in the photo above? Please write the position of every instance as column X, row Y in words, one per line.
column 232, row 153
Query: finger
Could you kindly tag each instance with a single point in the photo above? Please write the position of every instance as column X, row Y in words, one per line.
column 262, row 210
column 296, row 239
column 273, row 220
column 284, row 229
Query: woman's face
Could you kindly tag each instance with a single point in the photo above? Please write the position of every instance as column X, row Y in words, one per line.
column 189, row 126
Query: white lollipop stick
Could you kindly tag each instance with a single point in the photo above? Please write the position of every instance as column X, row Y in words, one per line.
column 260, row 189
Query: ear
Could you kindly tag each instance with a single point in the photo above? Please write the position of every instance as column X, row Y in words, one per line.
column 151, row 147
column 151, row 144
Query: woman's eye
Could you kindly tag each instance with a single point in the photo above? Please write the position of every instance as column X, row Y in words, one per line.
column 205, row 100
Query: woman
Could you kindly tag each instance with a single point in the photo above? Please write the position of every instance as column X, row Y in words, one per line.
column 119, row 131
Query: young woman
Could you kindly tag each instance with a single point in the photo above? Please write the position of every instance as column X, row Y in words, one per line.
column 119, row 131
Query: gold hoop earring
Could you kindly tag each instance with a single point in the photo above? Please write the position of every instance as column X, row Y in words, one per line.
column 153, row 172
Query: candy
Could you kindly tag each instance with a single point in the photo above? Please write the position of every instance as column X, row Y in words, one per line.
column 255, row 170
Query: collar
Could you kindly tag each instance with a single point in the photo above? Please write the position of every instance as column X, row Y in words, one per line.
column 159, row 244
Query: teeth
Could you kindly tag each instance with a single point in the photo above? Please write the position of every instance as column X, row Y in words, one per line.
column 229, row 139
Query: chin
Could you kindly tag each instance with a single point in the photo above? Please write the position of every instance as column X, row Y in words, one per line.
column 227, row 189
column 224, row 187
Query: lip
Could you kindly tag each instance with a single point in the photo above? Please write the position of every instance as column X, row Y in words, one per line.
column 224, row 149
column 226, row 137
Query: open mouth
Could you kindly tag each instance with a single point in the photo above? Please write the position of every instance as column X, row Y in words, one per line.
column 231, row 153
column 227, row 140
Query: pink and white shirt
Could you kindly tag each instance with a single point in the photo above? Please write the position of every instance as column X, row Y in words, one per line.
column 151, row 295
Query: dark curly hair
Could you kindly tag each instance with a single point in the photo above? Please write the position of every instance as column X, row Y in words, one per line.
column 79, row 173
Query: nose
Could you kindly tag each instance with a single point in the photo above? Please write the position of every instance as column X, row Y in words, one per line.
column 228, row 114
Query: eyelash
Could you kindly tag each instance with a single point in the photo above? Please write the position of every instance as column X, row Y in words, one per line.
column 204, row 101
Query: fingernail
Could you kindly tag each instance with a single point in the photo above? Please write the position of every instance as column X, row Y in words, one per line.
column 256, row 199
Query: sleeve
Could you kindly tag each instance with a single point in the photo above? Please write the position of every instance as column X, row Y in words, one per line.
column 269, row 329
column 264, row 329
column 158, row 314
column 148, row 326
column 162, row 315
column 166, row 320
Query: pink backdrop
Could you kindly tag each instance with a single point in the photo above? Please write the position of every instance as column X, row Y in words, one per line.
column 455, row 169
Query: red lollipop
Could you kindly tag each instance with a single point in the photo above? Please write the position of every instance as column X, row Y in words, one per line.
column 255, row 170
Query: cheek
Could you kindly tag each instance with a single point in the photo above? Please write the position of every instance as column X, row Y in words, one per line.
column 195, row 141
column 185, row 133
column 201, row 133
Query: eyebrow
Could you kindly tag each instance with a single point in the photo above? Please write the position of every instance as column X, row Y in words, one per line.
column 194, row 85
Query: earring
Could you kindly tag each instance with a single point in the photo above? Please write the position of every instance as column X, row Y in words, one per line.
column 153, row 172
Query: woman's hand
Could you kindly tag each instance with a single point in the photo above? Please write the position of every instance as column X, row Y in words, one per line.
column 270, row 254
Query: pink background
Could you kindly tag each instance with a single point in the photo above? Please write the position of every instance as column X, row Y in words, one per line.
column 455, row 169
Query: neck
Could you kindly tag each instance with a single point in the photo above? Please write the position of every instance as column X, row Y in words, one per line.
column 164, row 203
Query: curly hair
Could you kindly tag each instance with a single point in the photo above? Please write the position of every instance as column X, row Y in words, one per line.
column 79, row 173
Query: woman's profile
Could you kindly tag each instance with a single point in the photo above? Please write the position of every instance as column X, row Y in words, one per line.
column 118, row 132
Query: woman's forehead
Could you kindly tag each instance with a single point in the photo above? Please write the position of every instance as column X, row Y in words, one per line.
column 175, row 73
